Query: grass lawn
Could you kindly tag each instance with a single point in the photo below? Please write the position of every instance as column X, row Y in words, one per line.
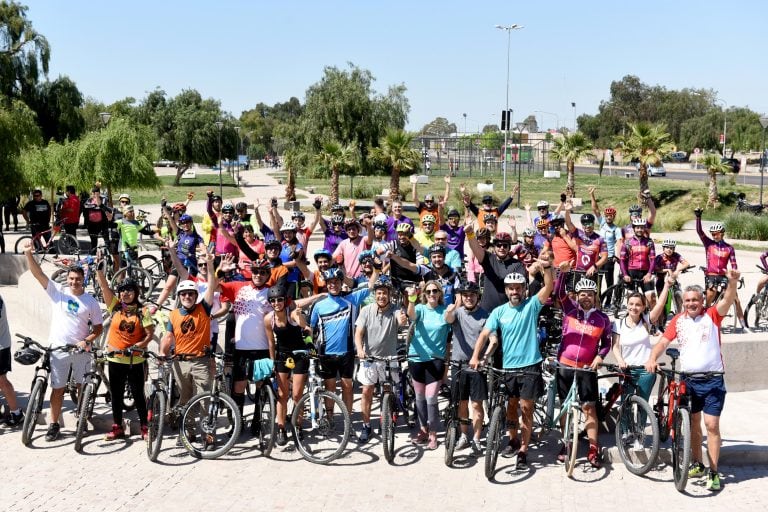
column 199, row 185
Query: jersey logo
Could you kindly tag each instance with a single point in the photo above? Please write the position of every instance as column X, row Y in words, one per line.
column 188, row 325
column 73, row 306
column 126, row 326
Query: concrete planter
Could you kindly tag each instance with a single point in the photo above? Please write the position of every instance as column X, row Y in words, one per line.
column 551, row 174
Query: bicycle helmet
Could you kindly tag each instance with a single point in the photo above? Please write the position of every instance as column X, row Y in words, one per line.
column 717, row 228
column 483, row 233
column 337, row 208
column 429, row 197
column 277, row 291
column 610, row 211
column 542, row 204
column 428, row 218
column 185, row 218
column 380, row 217
column 638, row 221
column 241, row 206
column 186, row 286
column 322, row 253
column 288, row 226
column 490, row 217
column 351, row 223
column 514, row 278
column 635, row 209
column 529, row 232
column 436, row 249
column 128, row 284
column 333, row 273
column 383, row 282
column 124, row 196
column 501, row 237
column 260, row 264
column 453, row 212
column 587, row 218
column 380, row 225
column 298, row 214
column 179, row 207
column 272, row 243
column 586, row 285
column 467, row 287
column 404, row 227
column 27, row 356
column 227, row 208
column 215, row 198
column 542, row 223
column 365, row 255
column 487, row 199
column 668, row 242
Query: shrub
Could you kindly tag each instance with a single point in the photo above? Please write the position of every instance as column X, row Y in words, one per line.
column 745, row 226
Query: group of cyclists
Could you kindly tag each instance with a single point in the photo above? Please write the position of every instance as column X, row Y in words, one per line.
column 465, row 289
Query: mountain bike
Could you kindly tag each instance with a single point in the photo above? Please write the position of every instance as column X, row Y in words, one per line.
column 39, row 384
column 133, row 270
column 320, row 421
column 673, row 413
column 391, row 402
column 756, row 314
column 451, row 417
column 263, row 423
column 58, row 242
column 616, row 296
column 162, row 401
column 214, row 419
column 91, row 382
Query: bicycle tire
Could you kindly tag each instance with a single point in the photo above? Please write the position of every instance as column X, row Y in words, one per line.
column 34, row 407
column 156, row 408
column 409, row 399
column 20, row 243
column 388, row 419
column 86, row 394
column 309, row 439
column 493, row 441
column 139, row 275
column 659, row 409
column 753, row 312
column 67, row 245
column 72, row 389
column 572, row 444
column 681, row 448
column 451, row 436
column 207, row 426
column 638, row 448
column 60, row 276
column 151, row 264
column 267, row 415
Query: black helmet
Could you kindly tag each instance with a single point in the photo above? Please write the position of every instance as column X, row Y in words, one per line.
column 436, row 249
column 587, row 218
column 383, row 282
column 27, row 356
column 467, row 287
column 241, row 206
column 128, row 284
column 333, row 273
column 277, row 291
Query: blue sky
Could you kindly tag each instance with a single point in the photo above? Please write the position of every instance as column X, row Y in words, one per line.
column 448, row 54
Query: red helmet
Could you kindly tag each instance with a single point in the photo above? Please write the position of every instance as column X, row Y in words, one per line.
column 504, row 238
column 610, row 211
column 179, row 207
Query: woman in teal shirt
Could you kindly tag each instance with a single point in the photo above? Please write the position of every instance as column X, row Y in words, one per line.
column 426, row 354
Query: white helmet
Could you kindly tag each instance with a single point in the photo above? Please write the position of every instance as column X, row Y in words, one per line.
column 186, row 286
column 288, row 226
column 514, row 278
column 586, row 285
column 639, row 221
column 124, row 196
column 382, row 217
column 716, row 227
column 542, row 204
column 529, row 232
column 668, row 242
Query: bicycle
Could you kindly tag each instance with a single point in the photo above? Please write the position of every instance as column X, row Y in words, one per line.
column 314, row 419
column 636, row 431
column 756, row 314
column 616, row 296
column 87, row 400
column 720, row 283
column 674, row 304
column 450, row 414
column 391, row 402
column 673, row 414
column 215, row 416
column 134, row 271
column 263, row 423
column 162, row 401
column 58, row 242
column 89, row 266
column 39, row 383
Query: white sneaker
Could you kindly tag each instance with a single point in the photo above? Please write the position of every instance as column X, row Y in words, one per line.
column 463, row 442
column 638, row 446
column 476, row 450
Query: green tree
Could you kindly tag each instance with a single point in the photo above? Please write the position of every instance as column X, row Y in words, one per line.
column 58, row 105
column 571, row 148
column 18, row 131
column 263, row 123
column 712, row 162
column 23, row 54
column 396, row 154
column 336, row 157
column 438, row 126
column 293, row 159
column 647, row 144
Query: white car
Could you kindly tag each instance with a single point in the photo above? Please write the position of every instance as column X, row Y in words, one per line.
column 656, row 170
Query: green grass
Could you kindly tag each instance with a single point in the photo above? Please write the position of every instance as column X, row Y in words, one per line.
column 199, row 185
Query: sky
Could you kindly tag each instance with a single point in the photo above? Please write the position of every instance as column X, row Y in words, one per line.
column 448, row 54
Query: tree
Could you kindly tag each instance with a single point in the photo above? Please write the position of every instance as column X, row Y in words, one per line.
column 292, row 160
column 571, row 148
column 58, row 105
column 396, row 153
column 337, row 157
column 647, row 144
column 23, row 53
column 263, row 123
column 18, row 131
column 491, row 128
column 712, row 162
column 438, row 126
column 530, row 124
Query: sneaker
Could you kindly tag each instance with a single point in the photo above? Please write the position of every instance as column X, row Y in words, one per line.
column 420, row 438
column 696, row 470
column 432, row 445
column 210, row 443
column 144, row 432
column 463, row 442
column 365, row 434
column 594, row 457
column 15, row 419
column 116, row 433
column 53, row 432
column 512, row 448
column 713, row 481
column 638, row 446
column 522, row 460
column 562, row 455
column 476, row 450
column 282, row 437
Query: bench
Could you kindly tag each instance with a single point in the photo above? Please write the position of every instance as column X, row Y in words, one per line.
column 629, row 174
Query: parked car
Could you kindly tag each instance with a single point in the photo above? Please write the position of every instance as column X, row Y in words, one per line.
column 734, row 164
column 656, row 170
column 677, row 157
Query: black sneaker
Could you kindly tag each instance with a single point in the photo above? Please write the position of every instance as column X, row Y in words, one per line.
column 522, row 460
column 282, row 437
column 365, row 434
column 15, row 419
column 53, row 432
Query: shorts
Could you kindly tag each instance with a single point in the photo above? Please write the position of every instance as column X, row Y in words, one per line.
column 472, row 386
column 639, row 275
column 428, row 371
column 373, row 372
column 5, row 361
column 525, row 387
column 586, row 384
column 713, row 281
column 242, row 363
column 61, row 362
column 300, row 361
column 337, row 365
column 707, row 394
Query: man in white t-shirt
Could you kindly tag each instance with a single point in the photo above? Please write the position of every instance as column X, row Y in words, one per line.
column 16, row 416
column 697, row 331
column 75, row 321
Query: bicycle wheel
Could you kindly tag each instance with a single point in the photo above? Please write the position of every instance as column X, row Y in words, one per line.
column 571, row 438
column 82, row 415
column 21, row 242
column 409, row 399
column 34, row 407
column 137, row 274
column 67, row 244
column 155, row 422
column 660, row 410
column 388, row 419
column 72, row 389
column 323, row 440
column 265, row 415
column 451, row 436
column 681, row 448
column 753, row 317
column 211, row 425
column 153, row 266
column 493, row 441
column 637, row 435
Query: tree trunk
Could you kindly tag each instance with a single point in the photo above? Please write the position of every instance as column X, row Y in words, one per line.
column 180, row 169
column 642, row 173
column 712, row 199
column 570, row 187
column 290, row 188
column 394, row 186
column 334, row 186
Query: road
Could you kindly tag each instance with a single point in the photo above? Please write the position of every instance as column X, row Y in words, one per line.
column 687, row 175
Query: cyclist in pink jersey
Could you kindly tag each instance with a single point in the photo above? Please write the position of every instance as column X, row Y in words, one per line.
column 637, row 258
column 586, row 341
column 668, row 262
column 763, row 280
column 636, row 212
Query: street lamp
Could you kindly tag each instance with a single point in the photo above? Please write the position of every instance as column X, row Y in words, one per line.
column 509, row 29
column 764, row 124
column 220, row 125
column 239, row 150
column 573, row 104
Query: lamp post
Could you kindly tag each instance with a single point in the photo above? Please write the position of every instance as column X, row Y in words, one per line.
column 573, row 104
column 764, row 124
column 239, row 150
column 509, row 29
column 219, row 126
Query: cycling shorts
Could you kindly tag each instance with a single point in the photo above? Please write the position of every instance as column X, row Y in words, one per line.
column 713, row 281
column 586, row 385
column 5, row 361
column 707, row 394
column 525, row 387
column 301, row 363
column 242, row 363
column 473, row 386
column 639, row 275
column 337, row 365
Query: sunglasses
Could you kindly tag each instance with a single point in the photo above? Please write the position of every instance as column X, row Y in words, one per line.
column 432, row 291
column 543, row 209
column 503, row 246
column 441, row 239
column 586, row 224
column 182, row 294
column 276, row 300
column 124, row 201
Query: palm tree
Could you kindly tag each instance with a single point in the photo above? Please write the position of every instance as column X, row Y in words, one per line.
column 714, row 166
column 571, row 148
column 336, row 157
column 291, row 161
column 396, row 153
column 646, row 143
